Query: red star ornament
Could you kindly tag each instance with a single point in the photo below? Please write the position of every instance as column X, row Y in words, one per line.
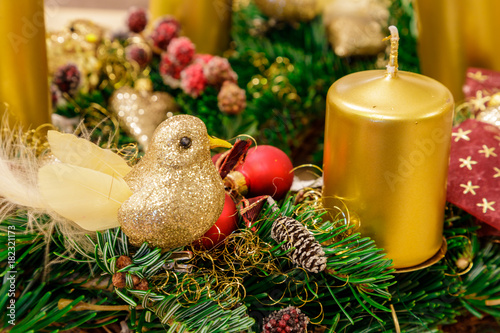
column 480, row 79
column 474, row 172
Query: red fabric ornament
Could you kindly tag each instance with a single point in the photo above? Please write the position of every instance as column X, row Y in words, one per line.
column 250, row 209
column 225, row 225
column 267, row 171
column 226, row 162
column 481, row 80
column 474, row 172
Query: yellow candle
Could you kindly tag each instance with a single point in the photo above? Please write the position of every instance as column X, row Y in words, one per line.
column 456, row 34
column 24, row 89
column 387, row 142
column 206, row 22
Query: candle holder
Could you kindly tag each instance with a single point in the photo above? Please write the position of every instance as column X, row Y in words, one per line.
column 387, row 145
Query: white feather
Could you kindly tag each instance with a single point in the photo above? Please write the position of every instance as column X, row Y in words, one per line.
column 18, row 172
column 88, row 197
column 81, row 152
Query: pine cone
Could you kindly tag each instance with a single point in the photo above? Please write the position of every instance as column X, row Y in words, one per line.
column 308, row 252
column 123, row 261
column 289, row 320
column 119, row 280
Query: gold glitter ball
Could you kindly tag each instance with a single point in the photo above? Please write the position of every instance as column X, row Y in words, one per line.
column 178, row 193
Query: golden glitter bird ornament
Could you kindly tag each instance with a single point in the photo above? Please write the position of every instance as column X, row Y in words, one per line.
column 169, row 199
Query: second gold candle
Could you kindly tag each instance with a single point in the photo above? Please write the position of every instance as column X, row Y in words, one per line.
column 206, row 22
column 387, row 142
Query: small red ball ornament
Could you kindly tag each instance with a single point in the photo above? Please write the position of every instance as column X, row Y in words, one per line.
column 225, row 225
column 267, row 170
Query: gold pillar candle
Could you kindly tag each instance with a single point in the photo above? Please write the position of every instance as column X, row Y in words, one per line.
column 206, row 22
column 24, row 88
column 455, row 35
column 387, row 143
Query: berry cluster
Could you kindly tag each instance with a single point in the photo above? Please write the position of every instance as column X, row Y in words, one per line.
column 67, row 78
column 288, row 320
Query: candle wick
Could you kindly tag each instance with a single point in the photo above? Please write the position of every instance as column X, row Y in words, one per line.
column 392, row 66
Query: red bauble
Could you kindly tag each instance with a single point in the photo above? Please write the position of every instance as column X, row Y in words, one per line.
column 267, row 171
column 225, row 225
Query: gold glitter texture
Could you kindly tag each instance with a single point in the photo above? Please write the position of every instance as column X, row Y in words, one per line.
column 178, row 194
column 141, row 111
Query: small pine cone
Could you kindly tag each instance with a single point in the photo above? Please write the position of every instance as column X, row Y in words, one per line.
column 119, row 280
column 135, row 279
column 289, row 320
column 67, row 78
column 308, row 252
column 231, row 98
column 137, row 19
column 142, row 285
column 123, row 261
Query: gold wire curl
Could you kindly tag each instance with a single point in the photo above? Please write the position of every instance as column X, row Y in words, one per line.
column 467, row 250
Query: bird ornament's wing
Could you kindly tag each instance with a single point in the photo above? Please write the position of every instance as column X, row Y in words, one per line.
column 88, row 186
column 80, row 152
column 87, row 197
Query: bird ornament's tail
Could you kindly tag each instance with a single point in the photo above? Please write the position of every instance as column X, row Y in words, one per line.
column 79, row 181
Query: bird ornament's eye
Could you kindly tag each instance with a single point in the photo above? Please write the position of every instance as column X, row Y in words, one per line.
column 185, row 142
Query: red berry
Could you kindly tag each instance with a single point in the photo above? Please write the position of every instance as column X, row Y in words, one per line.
column 166, row 30
column 288, row 329
column 286, row 316
column 282, row 323
column 137, row 19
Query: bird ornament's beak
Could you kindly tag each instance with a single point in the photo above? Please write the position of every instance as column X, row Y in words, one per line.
column 214, row 143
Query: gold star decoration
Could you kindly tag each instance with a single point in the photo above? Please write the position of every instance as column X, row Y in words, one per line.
column 497, row 170
column 478, row 76
column 461, row 134
column 469, row 188
column 467, row 162
column 497, row 138
column 486, row 205
column 487, row 151
column 479, row 102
